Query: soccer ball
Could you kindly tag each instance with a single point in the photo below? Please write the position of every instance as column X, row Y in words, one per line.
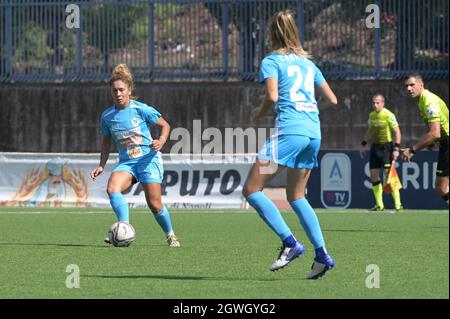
column 121, row 234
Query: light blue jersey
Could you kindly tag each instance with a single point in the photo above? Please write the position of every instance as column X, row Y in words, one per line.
column 296, row 111
column 129, row 128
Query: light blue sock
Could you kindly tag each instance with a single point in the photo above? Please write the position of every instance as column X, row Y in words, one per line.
column 270, row 214
column 309, row 221
column 119, row 206
column 163, row 219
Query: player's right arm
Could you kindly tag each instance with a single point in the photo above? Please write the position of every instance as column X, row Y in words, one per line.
column 397, row 140
column 271, row 85
column 104, row 155
column 433, row 135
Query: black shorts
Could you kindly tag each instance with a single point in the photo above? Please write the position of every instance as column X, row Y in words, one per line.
column 442, row 166
column 381, row 155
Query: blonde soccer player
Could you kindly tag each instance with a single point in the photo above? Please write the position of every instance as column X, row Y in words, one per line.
column 128, row 123
column 289, row 77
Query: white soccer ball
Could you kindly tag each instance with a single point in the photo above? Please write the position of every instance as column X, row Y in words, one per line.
column 121, row 234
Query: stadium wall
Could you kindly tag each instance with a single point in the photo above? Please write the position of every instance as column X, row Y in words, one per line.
column 64, row 117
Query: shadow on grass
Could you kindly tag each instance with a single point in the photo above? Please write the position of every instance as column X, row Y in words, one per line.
column 53, row 245
column 177, row 277
column 364, row 230
column 165, row 277
column 383, row 230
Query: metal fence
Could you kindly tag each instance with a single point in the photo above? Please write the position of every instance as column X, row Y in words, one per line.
column 213, row 39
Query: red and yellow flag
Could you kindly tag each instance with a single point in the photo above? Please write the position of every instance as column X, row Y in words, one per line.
column 393, row 181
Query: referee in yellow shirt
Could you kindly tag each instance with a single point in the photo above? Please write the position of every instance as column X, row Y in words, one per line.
column 384, row 136
column 434, row 113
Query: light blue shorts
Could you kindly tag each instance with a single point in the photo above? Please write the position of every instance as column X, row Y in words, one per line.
column 144, row 171
column 293, row 151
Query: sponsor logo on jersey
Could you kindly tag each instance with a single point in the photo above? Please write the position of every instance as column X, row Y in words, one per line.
column 432, row 110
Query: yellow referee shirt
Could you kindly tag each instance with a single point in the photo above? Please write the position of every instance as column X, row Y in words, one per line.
column 433, row 109
column 381, row 125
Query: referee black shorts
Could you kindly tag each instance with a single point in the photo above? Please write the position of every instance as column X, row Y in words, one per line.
column 381, row 155
column 442, row 166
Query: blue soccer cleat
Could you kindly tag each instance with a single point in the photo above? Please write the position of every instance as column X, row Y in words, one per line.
column 287, row 255
column 320, row 266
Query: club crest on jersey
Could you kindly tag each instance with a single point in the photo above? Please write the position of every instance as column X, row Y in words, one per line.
column 135, row 121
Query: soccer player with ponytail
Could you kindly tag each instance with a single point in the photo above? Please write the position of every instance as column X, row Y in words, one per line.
column 128, row 123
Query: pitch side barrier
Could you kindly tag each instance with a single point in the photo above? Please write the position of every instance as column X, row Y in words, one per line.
column 205, row 181
column 62, row 180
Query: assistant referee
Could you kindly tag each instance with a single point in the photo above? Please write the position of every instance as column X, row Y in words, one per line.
column 384, row 136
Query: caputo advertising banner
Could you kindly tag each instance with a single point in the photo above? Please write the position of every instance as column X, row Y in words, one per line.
column 207, row 181
column 62, row 180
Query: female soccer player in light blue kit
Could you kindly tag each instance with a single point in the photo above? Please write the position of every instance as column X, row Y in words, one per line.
column 127, row 123
column 289, row 79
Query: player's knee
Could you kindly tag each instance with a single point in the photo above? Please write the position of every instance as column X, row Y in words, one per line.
column 155, row 205
column 248, row 190
column 441, row 188
column 111, row 189
column 439, row 192
column 375, row 178
column 293, row 196
column 245, row 192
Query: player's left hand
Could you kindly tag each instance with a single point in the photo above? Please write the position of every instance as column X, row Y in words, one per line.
column 407, row 154
column 157, row 144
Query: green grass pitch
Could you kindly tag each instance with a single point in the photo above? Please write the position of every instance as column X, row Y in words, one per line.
column 225, row 254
